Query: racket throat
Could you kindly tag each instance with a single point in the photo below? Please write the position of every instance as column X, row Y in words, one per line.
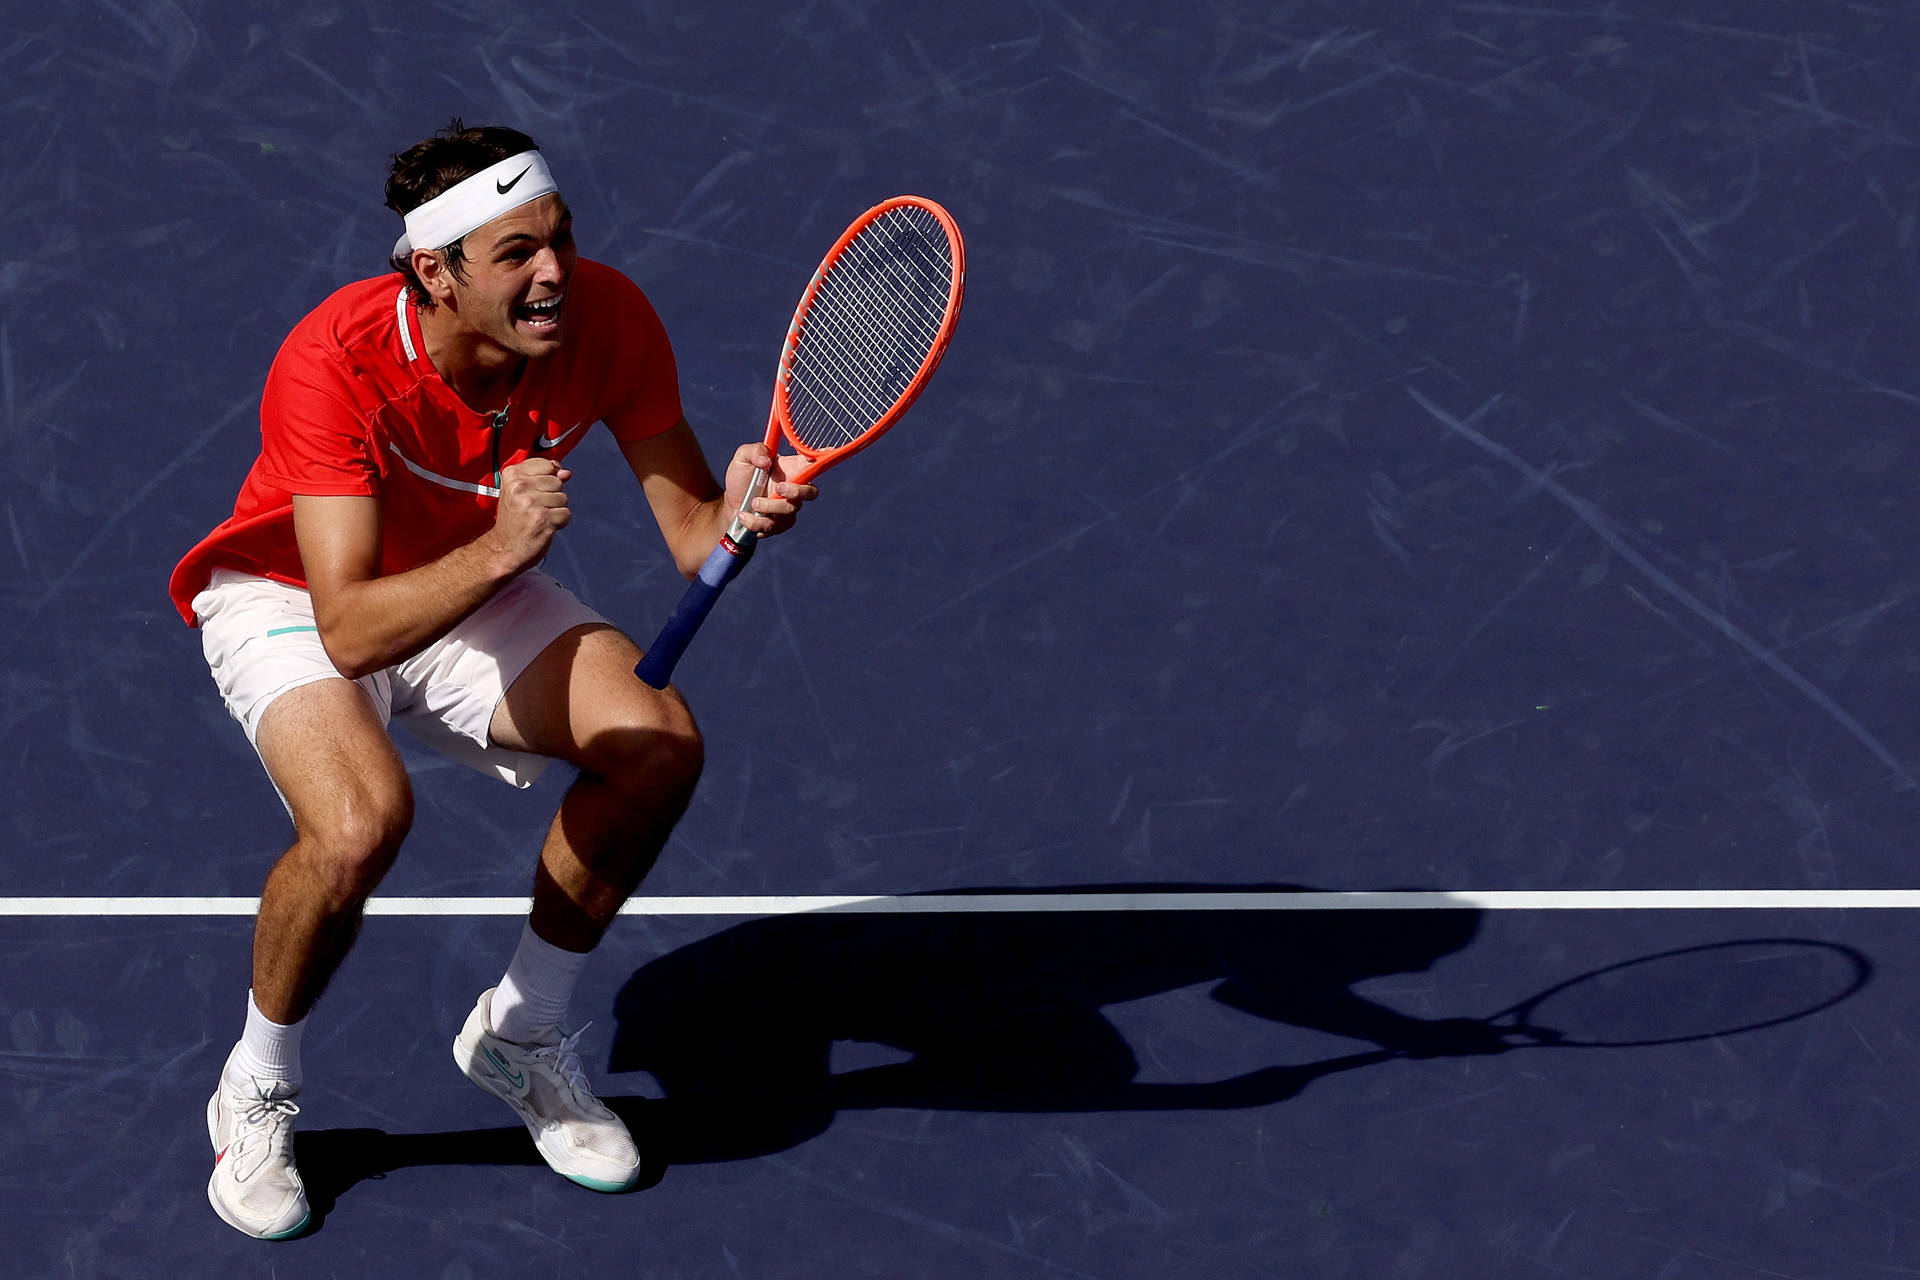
column 739, row 537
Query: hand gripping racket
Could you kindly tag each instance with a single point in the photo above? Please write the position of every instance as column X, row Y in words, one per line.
column 865, row 339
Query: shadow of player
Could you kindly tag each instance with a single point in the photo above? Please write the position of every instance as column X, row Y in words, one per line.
column 998, row 1011
column 1006, row 1011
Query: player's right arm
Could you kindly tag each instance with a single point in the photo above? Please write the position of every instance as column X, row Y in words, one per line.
column 367, row 621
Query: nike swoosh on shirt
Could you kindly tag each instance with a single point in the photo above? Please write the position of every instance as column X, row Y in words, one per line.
column 544, row 443
column 504, row 187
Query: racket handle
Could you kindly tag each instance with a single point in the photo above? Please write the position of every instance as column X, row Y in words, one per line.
column 722, row 566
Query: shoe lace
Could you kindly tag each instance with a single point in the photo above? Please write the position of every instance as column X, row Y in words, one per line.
column 563, row 1059
column 264, row 1120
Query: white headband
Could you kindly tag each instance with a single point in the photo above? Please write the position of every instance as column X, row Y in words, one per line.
column 474, row 202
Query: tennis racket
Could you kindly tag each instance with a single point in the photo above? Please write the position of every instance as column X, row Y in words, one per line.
column 868, row 332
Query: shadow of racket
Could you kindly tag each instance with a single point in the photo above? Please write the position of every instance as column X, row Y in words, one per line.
column 1688, row 994
column 1692, row 994
column 1683, row 996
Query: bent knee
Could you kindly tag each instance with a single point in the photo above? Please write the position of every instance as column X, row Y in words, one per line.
column 649, row 762
column 350, row 844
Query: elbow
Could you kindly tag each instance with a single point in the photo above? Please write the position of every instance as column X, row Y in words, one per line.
column 352, row 660
column 692, row 540
column 350, row 664
column 689, row 554
column 717, row 562
column 350, row 632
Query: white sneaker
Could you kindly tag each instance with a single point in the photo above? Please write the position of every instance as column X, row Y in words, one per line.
column 255, row 1187
column 545, row 1085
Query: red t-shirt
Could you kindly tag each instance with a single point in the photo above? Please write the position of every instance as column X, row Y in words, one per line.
column 353, row 406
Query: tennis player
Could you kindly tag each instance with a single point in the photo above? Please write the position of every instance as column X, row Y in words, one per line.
column 382, row 562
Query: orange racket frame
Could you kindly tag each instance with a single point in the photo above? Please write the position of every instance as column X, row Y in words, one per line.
column 730, row 556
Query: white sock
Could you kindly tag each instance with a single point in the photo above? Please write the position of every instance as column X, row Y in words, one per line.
column 532, row 999
column 267, row 1050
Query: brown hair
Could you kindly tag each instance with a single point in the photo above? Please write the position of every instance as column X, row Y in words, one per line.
column 428, row 168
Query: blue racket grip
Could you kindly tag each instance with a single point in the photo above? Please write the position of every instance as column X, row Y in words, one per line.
column 721, row 567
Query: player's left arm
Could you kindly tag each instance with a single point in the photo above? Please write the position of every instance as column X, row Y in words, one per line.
column 693, row 509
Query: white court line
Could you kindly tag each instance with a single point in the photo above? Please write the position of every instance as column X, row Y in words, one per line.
column 935, row 904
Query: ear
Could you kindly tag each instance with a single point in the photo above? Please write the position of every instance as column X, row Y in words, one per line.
column 431, row 266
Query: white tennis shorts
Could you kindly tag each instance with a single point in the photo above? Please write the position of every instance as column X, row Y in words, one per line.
column 261, row 641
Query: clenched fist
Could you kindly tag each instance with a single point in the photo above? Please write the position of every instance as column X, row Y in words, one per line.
column 533, row 507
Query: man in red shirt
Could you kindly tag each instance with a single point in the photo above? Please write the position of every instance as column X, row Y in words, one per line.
column 381, row 563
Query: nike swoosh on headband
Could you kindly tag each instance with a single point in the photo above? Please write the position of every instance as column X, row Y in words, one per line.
column 475, row 200
column 544, row 443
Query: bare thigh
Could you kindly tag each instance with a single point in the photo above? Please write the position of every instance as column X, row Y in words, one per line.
column 327, row 751
column 579, row 701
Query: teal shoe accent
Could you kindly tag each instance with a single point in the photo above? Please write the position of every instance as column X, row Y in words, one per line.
column 292, row 1231
column 600, row 1184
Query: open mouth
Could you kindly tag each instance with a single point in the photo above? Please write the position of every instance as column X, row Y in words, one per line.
column 544, row 314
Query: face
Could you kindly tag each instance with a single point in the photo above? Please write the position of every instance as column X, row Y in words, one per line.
column 517, row 270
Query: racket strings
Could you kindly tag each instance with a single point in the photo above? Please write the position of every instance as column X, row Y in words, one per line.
column 869, row 328
column 871, row 325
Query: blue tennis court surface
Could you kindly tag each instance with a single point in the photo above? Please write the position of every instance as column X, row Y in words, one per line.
column 1388, row 446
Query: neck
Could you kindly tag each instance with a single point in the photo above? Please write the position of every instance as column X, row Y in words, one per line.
column 481, row 372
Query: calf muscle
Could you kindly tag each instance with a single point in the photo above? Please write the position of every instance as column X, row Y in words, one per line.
column 639, row 755
column 352, row 806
